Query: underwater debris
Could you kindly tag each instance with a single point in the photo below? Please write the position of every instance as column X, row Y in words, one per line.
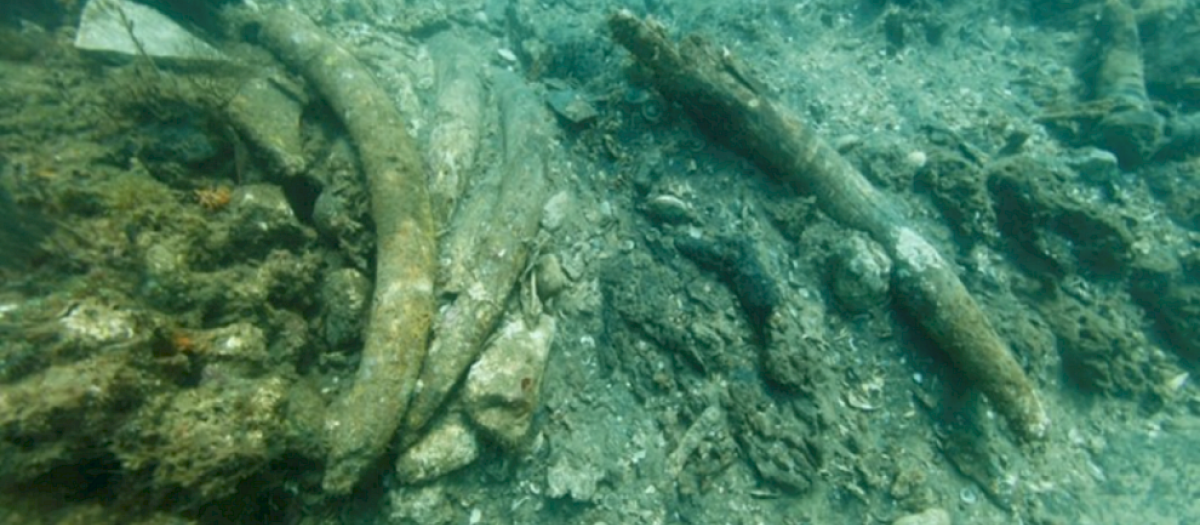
column 713, row 89
column 487, row 249
column 362, row 422
column 458, row 122
column 1131, row 129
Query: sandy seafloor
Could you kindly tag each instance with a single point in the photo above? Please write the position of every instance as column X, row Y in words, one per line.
column 128, row 253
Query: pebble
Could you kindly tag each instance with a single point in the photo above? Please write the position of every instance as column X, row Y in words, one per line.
column 556, row 210
column 862, row 275
column 448, row 446
column 569, row 104
column 934, row 516
column 916, row 159
column 669, row 209
column 1094, row 165
column 551, row 278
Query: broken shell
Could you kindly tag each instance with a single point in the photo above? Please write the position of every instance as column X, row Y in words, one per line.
column 669, row 209
column 967, row 496
column 571, row 105
column 1176, row 382
column 916, row 159
column 855, row 400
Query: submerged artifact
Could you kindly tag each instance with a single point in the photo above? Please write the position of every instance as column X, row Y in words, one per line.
column 361, row 424
column 715, row 91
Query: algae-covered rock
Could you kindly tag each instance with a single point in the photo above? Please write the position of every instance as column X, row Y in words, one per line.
column 1105, row 350
column 263, row 219
column 238, row 350
column 344, row 297
column 1051, row 227
column 20, row 232
column 269, row 117
column 92, row 323
column 206, row 439
column 63, row 415
column 739, row 263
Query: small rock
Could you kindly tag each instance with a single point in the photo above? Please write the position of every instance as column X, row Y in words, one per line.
column 166, row 269
column 426, row 504
column 239, row 341
column 329, row 214
column 551, row 279
column 934, row 516
column 449, row 445
column 862, row 276
column 503, row 387
column 263, row 217
column 564, row 478
column 568, row 104
column 233, row 351
column 1095, row 165
column 555, row 212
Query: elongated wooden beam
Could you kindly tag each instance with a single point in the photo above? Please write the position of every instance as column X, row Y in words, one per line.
column 720, row 96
